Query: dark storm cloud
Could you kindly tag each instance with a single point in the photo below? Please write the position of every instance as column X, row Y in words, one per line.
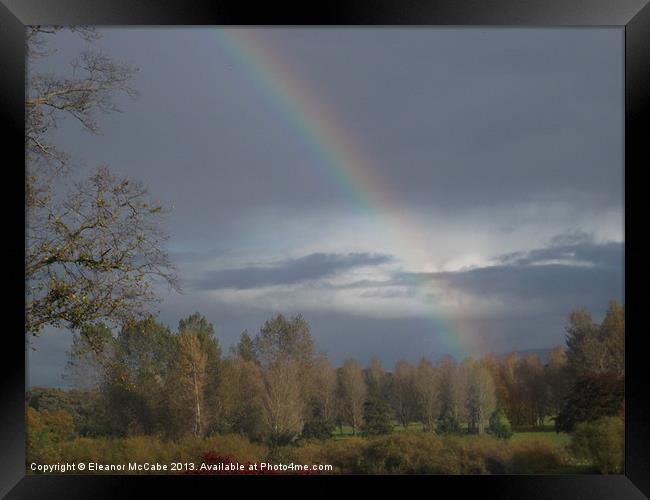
column 449, row 118
column 473, row 116
column 310, row 267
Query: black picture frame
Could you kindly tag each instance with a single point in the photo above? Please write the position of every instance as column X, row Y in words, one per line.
column 632, row 15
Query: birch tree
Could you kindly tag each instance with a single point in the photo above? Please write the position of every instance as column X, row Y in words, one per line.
column 426, row 389
column 351, row 394
column 404, row 392
column 480, row 398
column 283, row 404
column 193, row 364
column 376, row 379
column 451, row 396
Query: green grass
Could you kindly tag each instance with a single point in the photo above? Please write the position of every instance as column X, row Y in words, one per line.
column 544, row 433
column 345, row 432
column 561, row 439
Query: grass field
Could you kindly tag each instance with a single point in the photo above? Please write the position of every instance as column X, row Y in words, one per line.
column 345, row 431
column 547, row 432
column 561, row 438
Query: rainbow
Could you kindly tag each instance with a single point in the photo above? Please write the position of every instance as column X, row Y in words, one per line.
column 348, row 163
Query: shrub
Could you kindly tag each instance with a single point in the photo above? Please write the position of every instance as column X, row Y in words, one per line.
column 401, row 453
column 448, row 424
column 460, row 456
column 236, row 445
column 535, row 456
column 404, row 453
column 344, row 455
column 474, row 455
column 500, row 426
column 223, row 464
column 217, row 459
column 101, row 450
column 46, row 431
column 152, row 449
column 318, row 429
column 602, row 442
column 488, row 455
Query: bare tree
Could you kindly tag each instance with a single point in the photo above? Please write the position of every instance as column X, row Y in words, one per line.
column 351, row 394
column 514, row 393
column 193, row 364
column 451, row 395
column 404, row 392
column 376, row 379
column 281, row 336
column 199, row 326
column 94, row 81
column 283, row 404
column 323, row 390
column 480, row 399
column 612, row 335
column 94, row 252
column 556, row 374
column 241, row 392
column 534, row 389
column 426, row 389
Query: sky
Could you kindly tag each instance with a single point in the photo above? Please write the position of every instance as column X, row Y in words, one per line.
column 411, row 192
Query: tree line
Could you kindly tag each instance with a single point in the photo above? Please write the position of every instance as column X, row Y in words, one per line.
column 274, row 387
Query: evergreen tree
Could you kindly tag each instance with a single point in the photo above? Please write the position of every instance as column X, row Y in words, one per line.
column 376, row 418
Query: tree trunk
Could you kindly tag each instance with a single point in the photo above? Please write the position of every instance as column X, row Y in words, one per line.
column 197, row 413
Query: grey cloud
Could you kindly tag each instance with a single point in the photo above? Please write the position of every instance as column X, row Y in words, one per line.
column 192, row 256
column 452, row 119
column 607, row 255
column 571, row 238
column 566, row 272
column 309, row 267
column 538, row 275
